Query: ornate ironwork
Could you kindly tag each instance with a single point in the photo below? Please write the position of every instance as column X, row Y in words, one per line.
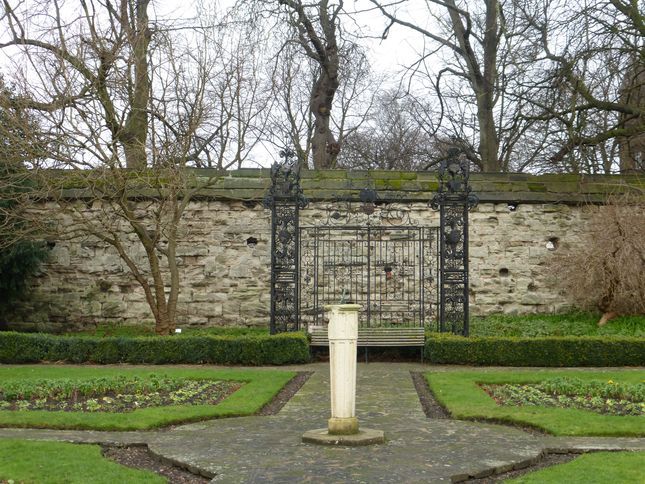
column 453, row 200
column 285, row 199
column 367, row 210
column 388, row 270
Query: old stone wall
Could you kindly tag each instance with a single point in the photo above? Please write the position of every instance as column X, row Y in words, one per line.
column 224, row 251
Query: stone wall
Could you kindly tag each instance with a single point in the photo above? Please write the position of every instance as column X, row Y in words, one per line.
column 224, row 252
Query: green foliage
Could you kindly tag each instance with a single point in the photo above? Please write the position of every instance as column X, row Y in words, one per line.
column 60, row 462
column 20, row 257
column 569, row 324
column 538, row 351
column 282, row 349
column 593, row 468
column 461, row 393
column 110, row 394
column 18, row 262
column 607, row 397
column 596, row 388
column 259, row 387
column 65, row 388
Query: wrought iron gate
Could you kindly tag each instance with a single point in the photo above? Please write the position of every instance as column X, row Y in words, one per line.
column 391, row 271
column 388, row 269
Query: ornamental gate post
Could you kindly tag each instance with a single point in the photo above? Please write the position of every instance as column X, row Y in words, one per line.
column 453, row 200
column 285, row 199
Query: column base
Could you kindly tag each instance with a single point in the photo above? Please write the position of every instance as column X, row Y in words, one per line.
column 363, row 437
column 342, row 426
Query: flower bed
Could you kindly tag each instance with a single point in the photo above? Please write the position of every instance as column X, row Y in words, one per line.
column 112, row 394
column 607, row 398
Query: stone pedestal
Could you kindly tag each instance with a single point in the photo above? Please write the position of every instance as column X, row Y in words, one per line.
column 342, row 427
column 343, row 335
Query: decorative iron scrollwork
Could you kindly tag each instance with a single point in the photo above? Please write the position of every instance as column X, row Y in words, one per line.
column 285, row 199
column 368, row 210
column 285, row 181
column 454, row 199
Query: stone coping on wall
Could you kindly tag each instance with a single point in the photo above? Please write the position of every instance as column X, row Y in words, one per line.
column 251, row 184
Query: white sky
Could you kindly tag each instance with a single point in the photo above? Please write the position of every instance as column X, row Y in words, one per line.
column 401, row 47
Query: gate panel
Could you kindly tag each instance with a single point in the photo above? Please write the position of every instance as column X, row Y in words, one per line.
column 391, row 271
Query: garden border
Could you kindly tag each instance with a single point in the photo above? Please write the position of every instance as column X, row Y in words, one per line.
column 283, row 349
column 549, row 351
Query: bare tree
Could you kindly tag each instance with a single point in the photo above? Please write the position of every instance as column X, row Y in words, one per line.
column 111, row 89
column 392, row 137
column 605, row 272
column 291, row 121
column 632, row 148
column 316, row 27
column 589, row 53
column 473, row 38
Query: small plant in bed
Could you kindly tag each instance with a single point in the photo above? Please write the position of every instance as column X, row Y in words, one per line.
column 112, row 394
column 256, row 389
column 582, row 407
column 607, row 398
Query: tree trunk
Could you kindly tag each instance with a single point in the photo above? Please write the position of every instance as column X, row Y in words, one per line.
column 482, row 78
column 134, row 135
column 324, row 147
column 607, row 317
column 632, row 148
column 488, row 142
column 163, row 325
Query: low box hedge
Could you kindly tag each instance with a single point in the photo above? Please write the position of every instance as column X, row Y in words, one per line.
column 281, row 349
column 545, row 351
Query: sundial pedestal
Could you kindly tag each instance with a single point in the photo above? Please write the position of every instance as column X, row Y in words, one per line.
column 342, row 427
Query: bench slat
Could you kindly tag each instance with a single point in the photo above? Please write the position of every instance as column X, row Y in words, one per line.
column 377, row 337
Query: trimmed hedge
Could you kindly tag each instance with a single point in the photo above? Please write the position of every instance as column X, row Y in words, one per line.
column 546, row 351
column 279, row 349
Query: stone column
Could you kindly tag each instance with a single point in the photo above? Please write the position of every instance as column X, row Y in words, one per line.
column 342, row 427
column 343, row 335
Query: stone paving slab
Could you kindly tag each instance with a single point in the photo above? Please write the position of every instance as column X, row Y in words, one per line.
column 417, row 449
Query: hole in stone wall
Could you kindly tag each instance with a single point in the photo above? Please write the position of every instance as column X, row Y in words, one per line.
column 512, row 206
column 251, row 242
column 552, row 243
column 51, row 244
column 249, row 203
column 504, row 272
column 531, row 287
column 103, row 285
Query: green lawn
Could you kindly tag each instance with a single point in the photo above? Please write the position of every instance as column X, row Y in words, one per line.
column 569, row 324
column 594, row 468
column 460, row 393
column 259, row 388
column 57, row 462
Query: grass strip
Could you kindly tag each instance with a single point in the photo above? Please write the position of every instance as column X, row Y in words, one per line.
column 564, row 324
column 259, row 388
column 460, row 393
column 61, row 462
column 594, row 468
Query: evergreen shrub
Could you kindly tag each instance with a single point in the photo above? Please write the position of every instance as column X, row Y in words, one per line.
column 545, row 351
column 281, row 349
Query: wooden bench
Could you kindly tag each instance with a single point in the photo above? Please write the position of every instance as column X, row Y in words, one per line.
column 378, row 337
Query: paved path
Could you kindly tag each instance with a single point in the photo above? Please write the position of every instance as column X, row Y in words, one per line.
column 418, row 449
